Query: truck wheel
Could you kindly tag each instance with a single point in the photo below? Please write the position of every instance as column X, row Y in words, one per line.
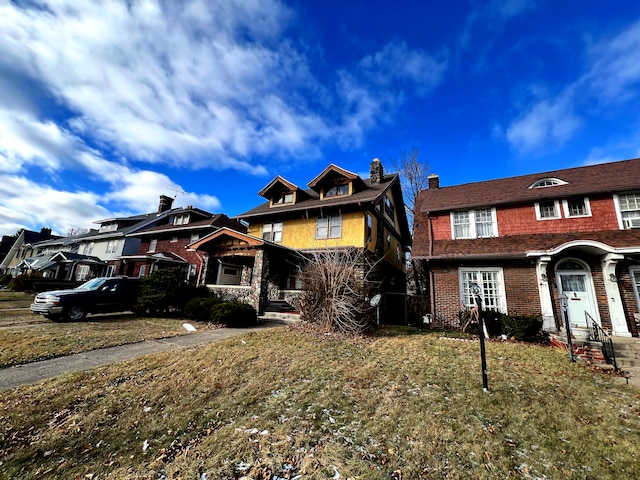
column 75, row 314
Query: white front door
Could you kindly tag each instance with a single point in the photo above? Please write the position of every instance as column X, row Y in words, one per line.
column 577, row 286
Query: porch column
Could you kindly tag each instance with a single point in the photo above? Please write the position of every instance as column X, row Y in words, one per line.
column 546, row 305
column 614, row 300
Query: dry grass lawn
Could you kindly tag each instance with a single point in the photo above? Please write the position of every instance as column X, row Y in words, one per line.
column 25, row 337
column 285, row 404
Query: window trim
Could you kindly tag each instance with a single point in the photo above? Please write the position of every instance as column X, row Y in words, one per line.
column 636, row 286
column 153, row 244
column 502, row 297
column 547, row 182
column 473, row 231
column 618, row 208
column 272, row 231
column 556, row 206
column 327, row 220
column 587, row 207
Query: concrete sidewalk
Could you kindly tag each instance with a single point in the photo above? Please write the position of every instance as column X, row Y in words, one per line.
column 33, row 372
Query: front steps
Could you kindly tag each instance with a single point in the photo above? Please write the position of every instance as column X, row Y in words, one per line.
column 627, row 352
column 279, row 311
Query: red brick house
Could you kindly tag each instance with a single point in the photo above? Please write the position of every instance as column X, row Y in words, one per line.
column 165, row 245
column 531, row 239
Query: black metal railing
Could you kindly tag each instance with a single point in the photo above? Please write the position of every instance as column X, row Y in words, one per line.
column 597, row 334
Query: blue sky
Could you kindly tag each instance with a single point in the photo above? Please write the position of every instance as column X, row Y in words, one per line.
column 104, row 106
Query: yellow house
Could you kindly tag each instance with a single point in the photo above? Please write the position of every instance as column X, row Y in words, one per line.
column 338, row 210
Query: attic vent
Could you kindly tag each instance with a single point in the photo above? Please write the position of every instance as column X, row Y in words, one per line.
column 548, row 182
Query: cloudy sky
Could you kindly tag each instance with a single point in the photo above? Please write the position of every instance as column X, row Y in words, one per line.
column 105, row 105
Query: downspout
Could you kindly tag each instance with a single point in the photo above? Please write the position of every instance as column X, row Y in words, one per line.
column 432, row 289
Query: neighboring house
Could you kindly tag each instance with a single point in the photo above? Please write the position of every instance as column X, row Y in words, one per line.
column 340, row 210
column 165, row 245
column 114, row 241
column 18, row 245
column 59, row 259
column 531, row 239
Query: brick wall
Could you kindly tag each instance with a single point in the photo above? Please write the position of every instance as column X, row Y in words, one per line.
column 521, row 220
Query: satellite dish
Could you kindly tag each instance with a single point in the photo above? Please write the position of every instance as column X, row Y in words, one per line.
column 375, row 301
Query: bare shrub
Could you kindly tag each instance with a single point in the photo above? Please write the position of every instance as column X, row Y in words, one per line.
column 336, row 288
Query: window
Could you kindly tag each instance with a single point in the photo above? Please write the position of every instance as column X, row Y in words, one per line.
column 88, row 248
column 474, row 223
column 548, row 182
column 629, row 207
column 491, row 283
column 388, row 241
column 272, row 232
column 194, row 237
column 388, row 207
column 143, row 270
column 82, row 273
column 342, row 189
column 181, row 219
column 284, row 197
column 112, row 246
column 576, row 207
column 152, row 245
column 369, row 227
column 174, row 239
column 399, row 253
column 547, row 210
column 329, row 227
column 111, row 271
column 108, row 227
column 635, row 277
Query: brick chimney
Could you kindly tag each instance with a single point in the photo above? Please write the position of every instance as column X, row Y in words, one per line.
column 377, row 172
column 434, row 181
column 165, row 203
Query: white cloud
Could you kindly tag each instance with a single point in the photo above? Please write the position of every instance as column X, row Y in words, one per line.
column 610, row 78
column 547, row 124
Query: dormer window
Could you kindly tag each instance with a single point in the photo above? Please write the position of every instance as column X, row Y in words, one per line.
column 108, row 227
column 181, row 219
column 282, row 198
column 548, row 182
column 336, row 190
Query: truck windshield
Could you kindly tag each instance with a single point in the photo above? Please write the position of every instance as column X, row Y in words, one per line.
column 93, row 284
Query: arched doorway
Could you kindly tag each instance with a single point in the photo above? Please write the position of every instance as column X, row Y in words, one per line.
column 574, row 280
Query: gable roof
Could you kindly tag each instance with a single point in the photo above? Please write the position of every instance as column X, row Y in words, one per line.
column 278, row 181
column 602, row 178
column 219, row 220
column 244, row 238
column 370, row 195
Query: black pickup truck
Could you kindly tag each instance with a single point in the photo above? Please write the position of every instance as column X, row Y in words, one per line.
column 98, row 295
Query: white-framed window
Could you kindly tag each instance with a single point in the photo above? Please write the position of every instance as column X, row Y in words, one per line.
column 479, row 223
column 194, row 237
column 548, row 210
column 112, row 246
column 82, row 273
column 635, row 278
column 272, row 232
column 108, row 227
column 547, row 182
column 174, row 239
column 152, row 245
column 88, row 248
column 491, row 282
column 329, row 226
column 576, row 207
column 143, row 270
column 182, row 219
column 628, row 210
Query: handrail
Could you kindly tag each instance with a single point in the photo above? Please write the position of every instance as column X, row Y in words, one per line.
column 597, row 334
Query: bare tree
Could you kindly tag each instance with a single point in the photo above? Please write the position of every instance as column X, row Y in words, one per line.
column 336, row 287
column 414, row 177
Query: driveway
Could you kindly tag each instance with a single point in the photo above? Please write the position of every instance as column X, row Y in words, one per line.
column 33, row 372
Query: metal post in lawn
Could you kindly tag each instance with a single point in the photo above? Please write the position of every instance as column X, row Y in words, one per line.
column 475, row 290
column 564, row 303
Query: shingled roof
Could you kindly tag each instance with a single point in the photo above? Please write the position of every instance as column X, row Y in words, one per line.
column 603, row 178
